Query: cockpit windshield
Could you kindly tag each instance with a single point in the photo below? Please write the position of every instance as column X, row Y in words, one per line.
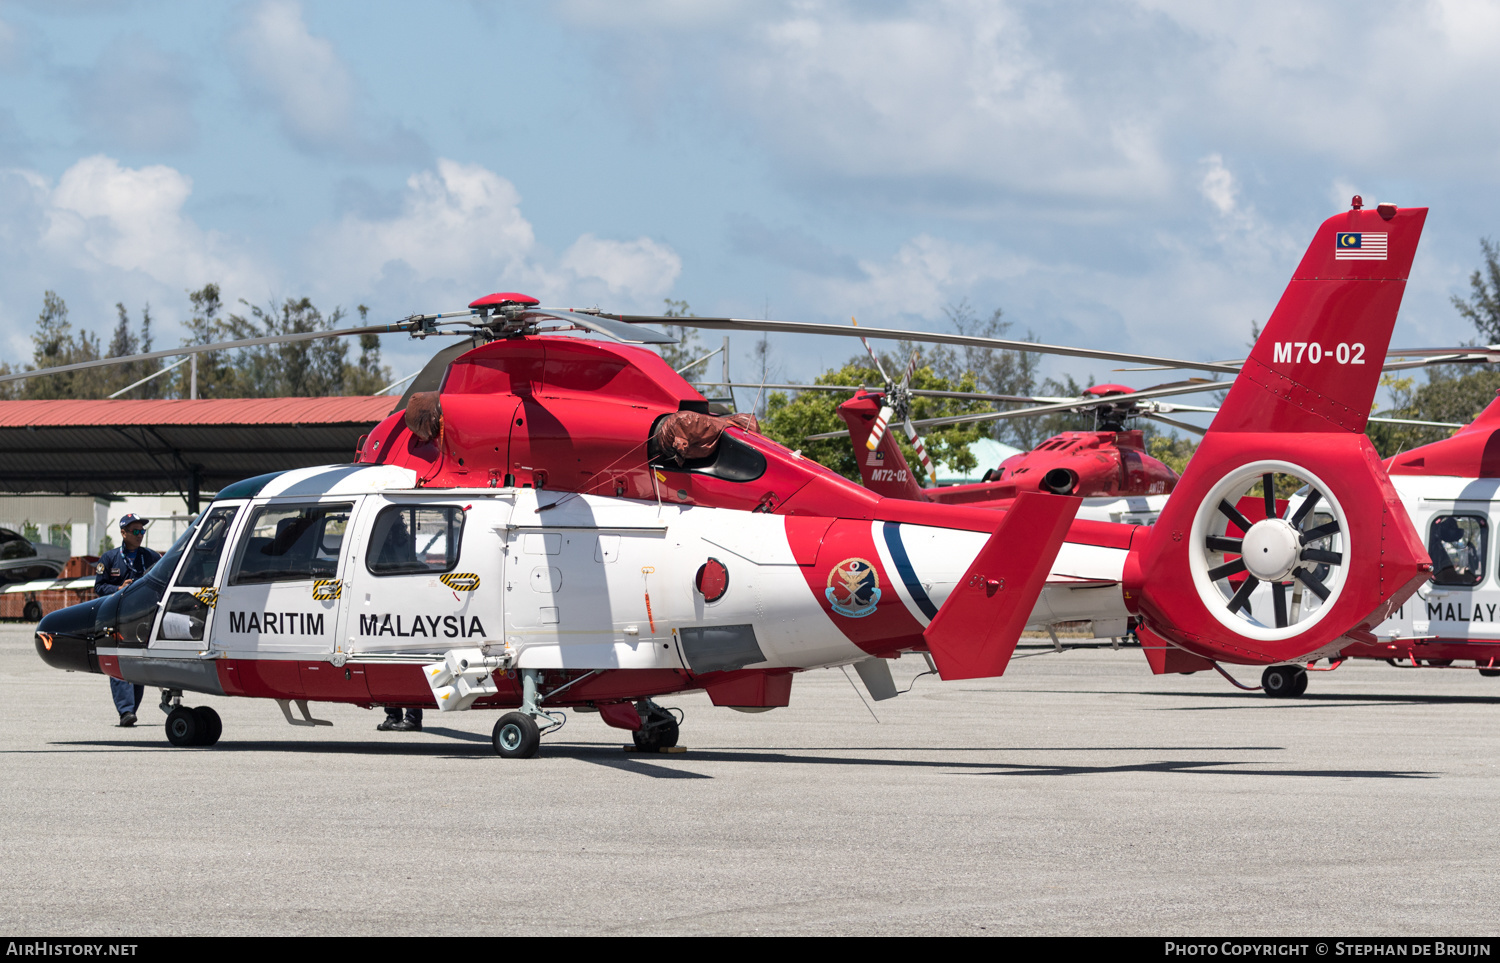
column 162, row 571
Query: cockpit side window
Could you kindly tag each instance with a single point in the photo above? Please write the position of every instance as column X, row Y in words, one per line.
column 415, row 539
column 1459, row 545
column 288, row 543
column 203, row 561
column 732, row 460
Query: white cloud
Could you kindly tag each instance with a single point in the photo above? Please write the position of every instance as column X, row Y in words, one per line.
column 101, row 215
column 639, row 268
column 456, row 221
column 303, row 79
column 979, row 109
column 460, row 233
column 935, row 91
column 106, row 233
column 1218, row 185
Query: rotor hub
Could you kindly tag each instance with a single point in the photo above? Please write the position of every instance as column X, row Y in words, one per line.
column 1272, row 549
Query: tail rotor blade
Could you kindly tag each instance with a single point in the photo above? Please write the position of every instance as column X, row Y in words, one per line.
column 877, row 431
column 875, row 358
column 916, row 441
column 911, row 368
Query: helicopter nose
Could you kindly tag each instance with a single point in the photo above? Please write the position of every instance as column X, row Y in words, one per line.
column 66, row 639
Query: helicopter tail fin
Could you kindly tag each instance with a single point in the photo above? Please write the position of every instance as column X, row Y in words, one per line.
column 975, row 632
column 1342, row 554
column 883, row 470
column 1317, row 364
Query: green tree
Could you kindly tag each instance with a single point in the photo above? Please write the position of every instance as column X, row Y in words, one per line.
column 218, row 375
column 308, row 369
column 1172, row 451
column 994, row 372
column 125, row 342
column 1482, row 307
column 1453, row 393
column 790, row 420
column 55, row 343
column 299, row 369
column 367, row 375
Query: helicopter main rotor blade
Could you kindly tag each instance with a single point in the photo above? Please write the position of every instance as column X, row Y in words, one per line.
column 605, row 325
column 916, row 392
column 399, row 326
column 1459, row 354
column 929, row 337
column 1069, row 405
column 1173, row 422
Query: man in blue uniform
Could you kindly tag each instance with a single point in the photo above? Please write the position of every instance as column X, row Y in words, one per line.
column 117, row 568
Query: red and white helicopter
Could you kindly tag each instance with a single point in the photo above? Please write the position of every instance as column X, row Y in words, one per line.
column 530, row 537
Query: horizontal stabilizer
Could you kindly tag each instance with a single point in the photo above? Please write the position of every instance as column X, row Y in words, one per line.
column 976, row 630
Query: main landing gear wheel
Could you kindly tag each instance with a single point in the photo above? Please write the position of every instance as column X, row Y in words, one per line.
column 32, row 612
column 212, row 725
column 516, row 736
column 1283, row 681
column 1284, row 571
column 184, row 727
column 658, row 731
column 1490, row 673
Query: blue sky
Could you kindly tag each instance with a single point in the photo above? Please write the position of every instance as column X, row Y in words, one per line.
column 1139, row 175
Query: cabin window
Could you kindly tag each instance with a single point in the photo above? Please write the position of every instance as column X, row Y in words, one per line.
column 732, row 460
column 1458, row 545
column 288, row 543
column 415, row 539
column 203, row 561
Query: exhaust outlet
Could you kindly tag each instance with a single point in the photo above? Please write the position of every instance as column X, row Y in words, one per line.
column 1060, row 481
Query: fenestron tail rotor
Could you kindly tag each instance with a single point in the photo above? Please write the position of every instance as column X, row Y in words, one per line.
column 1271, row 575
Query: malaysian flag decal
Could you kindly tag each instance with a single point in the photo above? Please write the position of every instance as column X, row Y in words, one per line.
column 1359, row 246
column 875, row 459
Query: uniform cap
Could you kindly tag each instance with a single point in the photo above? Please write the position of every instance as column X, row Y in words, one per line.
column 132, row 519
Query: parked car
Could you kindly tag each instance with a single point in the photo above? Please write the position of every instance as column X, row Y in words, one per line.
column 23, row 561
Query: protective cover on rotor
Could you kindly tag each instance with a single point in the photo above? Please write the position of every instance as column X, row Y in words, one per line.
column 424, row 415
column 689, row 435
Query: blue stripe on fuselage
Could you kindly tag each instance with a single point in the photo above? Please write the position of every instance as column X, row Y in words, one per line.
column 908, row 574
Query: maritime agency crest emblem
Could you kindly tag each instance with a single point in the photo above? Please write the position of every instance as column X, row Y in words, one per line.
column 853, row 588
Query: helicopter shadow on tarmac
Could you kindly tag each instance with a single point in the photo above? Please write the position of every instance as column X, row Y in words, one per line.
column 611, row 757
column 1319, row 700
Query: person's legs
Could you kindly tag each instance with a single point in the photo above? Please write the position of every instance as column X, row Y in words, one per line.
column 392, row 719
column 127, row 698
column 414, row 717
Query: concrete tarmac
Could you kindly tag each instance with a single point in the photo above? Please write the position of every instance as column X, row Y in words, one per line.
column 1077, row 795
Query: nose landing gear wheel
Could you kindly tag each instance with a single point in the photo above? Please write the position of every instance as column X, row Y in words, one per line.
column 516, row 736
column 212, row 725
column 184, row 728
column 1283, row 681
